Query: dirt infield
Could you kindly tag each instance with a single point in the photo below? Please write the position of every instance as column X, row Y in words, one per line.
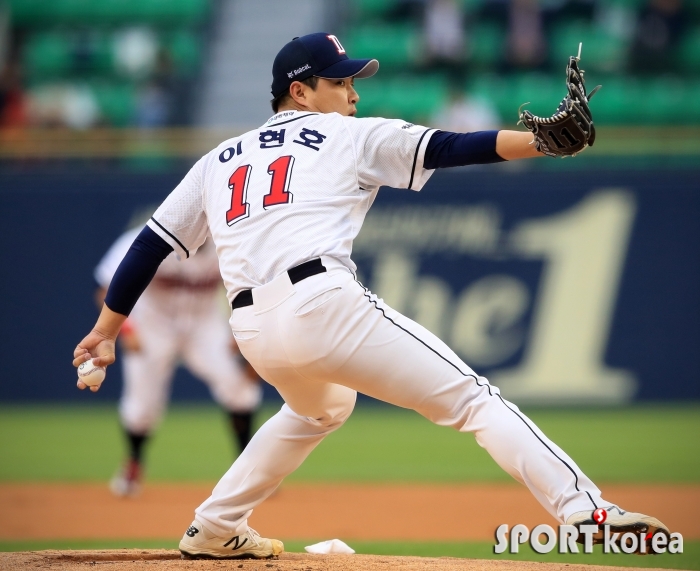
column 161, row 560
column 391, row 512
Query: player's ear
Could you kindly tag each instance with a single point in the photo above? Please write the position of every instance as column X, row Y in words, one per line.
column 297, row 91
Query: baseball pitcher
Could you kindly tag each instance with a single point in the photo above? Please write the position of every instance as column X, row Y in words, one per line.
column 283, row 204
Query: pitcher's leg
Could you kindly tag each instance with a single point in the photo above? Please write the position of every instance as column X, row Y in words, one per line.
column 381, row 353
column 276, row 450
column 523, row 450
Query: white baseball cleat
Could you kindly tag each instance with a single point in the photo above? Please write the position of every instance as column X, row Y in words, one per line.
column 620, row 521
column 127, row 481
column 200, row 543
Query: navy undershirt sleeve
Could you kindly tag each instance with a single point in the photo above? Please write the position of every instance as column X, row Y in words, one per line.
column 460, row 149
column 136, row 271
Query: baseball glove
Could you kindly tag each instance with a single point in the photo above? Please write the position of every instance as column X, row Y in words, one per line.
column 570, row 130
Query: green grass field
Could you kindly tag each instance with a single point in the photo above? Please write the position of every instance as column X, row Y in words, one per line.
column 378, row 444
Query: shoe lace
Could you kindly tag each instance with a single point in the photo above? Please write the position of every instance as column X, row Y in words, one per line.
column 254, row 536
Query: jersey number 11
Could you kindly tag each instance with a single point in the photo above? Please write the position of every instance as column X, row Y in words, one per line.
column 281, row 172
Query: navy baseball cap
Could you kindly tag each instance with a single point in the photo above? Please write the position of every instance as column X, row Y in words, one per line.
column 316, row 54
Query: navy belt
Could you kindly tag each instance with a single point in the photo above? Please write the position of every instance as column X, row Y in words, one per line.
column 296, row 274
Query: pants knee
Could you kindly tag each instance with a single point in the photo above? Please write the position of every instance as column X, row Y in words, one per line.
column 336, row 415
column 462, row 407
column 335, row 410
column 345, row 408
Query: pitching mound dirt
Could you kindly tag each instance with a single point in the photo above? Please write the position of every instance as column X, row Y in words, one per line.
column 162, row 560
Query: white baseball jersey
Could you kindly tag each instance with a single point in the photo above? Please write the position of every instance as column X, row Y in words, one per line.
column 286, row 193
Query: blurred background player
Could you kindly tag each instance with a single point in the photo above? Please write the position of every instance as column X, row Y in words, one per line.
column 179, row 319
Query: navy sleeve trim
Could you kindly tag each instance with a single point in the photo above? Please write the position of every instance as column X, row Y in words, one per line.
column 136, row 271
column 461, row 149
column 164, row 229
column 415, row 159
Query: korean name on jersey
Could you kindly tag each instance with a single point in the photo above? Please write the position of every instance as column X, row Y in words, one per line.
column 286, row 193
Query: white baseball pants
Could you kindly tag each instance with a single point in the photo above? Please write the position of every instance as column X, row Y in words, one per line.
column 326, row 337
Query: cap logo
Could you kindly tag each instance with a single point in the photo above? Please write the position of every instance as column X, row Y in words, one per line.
column 336, row 41
column 298, row 70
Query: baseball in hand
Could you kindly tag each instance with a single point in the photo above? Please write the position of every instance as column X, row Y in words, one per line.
column 91, row 374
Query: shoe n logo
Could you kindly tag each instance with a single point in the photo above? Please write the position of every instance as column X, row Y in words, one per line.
column 237, row 543
column 192, row 531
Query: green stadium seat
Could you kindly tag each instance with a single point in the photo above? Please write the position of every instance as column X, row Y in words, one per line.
column 55, row 54
column 472, row 5
column 601, row 51
column 689, row 51
column 39, row 13
column 690, row 108
column 496, row 90
column 621, row 101
column 26, row 11
column 417, row 98
column 544, row 92
column 618, row 102
column 410, row 98
column 371, row 98
column 611, row 106
column 185, row 50
column 508, row 93
column 631, row 4
column 173, row 11
column 47, row 55
column 659, row 101
column 395, row 46
column 486, row 44
column 663, row 101
column 372, row 8
column 73, row 11
column 34, row 13
column 378, row 9
column 50, row 55
column 103, row 54
column 117, row 102
column 693, row 10
column 74, row 41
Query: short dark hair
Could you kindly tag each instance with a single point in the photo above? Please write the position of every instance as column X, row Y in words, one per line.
column 312, row 82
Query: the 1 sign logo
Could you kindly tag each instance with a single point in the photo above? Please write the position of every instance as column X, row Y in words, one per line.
column 600, row 515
